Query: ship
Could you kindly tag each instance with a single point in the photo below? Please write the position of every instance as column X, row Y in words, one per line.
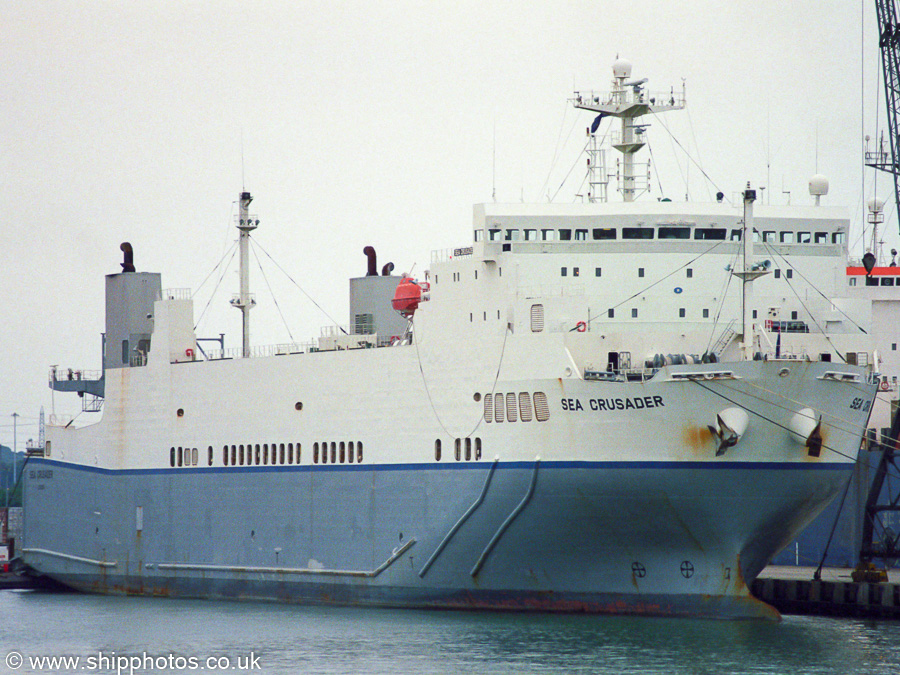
column 619, row 407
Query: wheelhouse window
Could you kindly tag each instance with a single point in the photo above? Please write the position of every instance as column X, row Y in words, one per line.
column 769, row 236
column 493, row 234
column 837, row 238
column 804, row 237
column 548, row 235
column 581, row 235
column 669, row 232
column 512, row 235
column 637, row 233
column 531, row 235
column 736, row 235
column 787, row 237
column 821, row 237
column 602, row 233
column 565, row 235
column 713, row 233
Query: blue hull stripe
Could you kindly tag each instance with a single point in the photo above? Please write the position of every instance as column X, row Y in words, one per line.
column 464, row 466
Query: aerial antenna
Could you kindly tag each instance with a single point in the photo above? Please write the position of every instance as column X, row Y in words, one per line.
column 494, row 166
column 243, row 182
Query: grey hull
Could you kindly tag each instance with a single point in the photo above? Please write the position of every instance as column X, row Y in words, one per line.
column 621, row 537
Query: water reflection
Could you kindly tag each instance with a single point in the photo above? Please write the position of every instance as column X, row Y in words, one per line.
column 291, row 639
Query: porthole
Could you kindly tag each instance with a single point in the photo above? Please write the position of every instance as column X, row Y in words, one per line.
column 350, row 452
column 468, row 449
column 180, row 412
column 458, row 447
column 437, row 449
column 333, row 458
column 477, row 397
column 265, row 453
column 298, row 406
column 359, row 454
column 343, row 453
column 315, row 453
column 281, row 453
column 225, row 455
column 171, row 456
column 477, row 448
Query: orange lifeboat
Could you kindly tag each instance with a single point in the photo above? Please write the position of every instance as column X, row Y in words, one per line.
column 408, row 295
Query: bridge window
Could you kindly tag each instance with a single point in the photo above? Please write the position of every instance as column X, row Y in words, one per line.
column 581, row 235
column 637, row 233
column 710, row 233
column 675, row 233
column 604, row 233
column 804, row 237
column 821, row 237
column 769, row 236
column 565, row 235
column 837, row 238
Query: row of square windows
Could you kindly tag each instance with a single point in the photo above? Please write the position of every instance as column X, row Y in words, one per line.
column 537, row 318
column 689, row 272
column 662, row 232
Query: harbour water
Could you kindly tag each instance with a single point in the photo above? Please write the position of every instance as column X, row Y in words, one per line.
column 181, row 636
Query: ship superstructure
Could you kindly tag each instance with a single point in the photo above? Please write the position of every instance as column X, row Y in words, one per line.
column 597, row 407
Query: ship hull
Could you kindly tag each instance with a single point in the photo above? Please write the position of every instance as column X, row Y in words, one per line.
column 604, row 537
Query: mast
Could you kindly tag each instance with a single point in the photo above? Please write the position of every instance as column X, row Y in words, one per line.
column 245, row 301
column 628, row 101
column 750, row 272
column 747, row 286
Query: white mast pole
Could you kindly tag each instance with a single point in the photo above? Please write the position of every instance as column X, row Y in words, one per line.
column 747, row 286
column 245, row 302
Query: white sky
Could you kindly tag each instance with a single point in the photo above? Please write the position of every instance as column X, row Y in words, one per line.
column 366, row 123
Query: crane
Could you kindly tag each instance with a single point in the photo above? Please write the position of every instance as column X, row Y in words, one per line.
column 889, row 43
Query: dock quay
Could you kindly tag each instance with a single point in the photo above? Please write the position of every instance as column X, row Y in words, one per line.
column 793, row 590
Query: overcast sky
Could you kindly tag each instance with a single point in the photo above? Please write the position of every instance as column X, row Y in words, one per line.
column 368, row 123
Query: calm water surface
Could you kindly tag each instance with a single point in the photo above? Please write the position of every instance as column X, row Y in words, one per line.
column 297, row 639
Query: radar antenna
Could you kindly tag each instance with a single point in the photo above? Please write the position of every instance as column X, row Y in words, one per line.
column 627, row 101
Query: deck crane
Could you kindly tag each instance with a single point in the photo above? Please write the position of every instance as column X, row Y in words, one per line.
column 884, row 544
column 889, row 43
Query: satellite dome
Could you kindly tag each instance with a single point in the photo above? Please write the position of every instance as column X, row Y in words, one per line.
column 622, row 68
column 818, row 185
column 876, row 205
